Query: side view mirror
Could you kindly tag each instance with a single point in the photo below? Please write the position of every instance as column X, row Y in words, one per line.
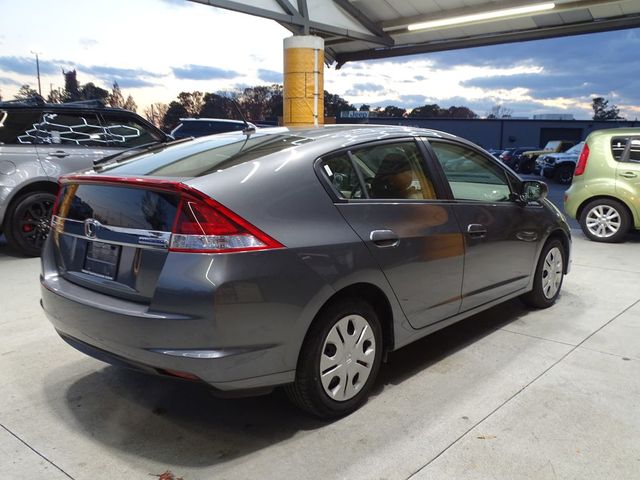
column 533, row 191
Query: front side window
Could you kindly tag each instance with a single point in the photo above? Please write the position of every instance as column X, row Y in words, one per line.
column 127, row 132
column 471, row 176
column 82, row 130
column 385, row 171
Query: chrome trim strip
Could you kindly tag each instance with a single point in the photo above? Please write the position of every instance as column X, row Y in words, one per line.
column 131, row 237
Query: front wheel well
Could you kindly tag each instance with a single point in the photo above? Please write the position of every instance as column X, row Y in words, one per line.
column 566, row 245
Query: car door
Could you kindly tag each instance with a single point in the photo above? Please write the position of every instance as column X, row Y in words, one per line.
column 628, row 174
column 386, row 193
column 500, row 235
column 69, row 141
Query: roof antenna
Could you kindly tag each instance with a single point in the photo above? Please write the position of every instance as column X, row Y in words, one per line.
column 248, row 128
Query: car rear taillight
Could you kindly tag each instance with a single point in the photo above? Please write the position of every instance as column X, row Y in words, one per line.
column 201, row 225
column 582, row 161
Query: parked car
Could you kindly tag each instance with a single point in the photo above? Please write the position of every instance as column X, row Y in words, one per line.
column 605, row 194
column 559, row 166
column 198, row 127
column 39, row 142
column 511, row 155
column 293, row 257
column 527, row 160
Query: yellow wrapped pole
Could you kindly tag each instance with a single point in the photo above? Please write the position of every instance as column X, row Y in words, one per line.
column 303, row 81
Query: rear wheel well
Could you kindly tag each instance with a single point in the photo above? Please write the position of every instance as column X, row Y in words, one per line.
column 375, row 297
column 603, row 197
column 43, row 186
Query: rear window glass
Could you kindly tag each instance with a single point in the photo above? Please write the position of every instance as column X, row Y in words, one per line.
column 202, row 158
column 119, row 206
column 18, row 126
column 207, row 128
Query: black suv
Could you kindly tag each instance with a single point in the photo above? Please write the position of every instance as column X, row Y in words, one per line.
column 41, row 141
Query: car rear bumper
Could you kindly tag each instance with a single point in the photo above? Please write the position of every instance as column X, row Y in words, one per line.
column 115, row 334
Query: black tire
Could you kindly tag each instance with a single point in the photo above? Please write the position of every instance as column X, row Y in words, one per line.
column 564, row 174
column 27, row 224
column 308, row 392
column 537, row 297
column 606, row 205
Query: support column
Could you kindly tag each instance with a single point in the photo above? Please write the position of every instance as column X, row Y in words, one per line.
column 303, row 93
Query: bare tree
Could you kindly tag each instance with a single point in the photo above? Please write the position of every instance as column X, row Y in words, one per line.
column 499, row 111
column 130, row 104
column 156, row 112
column 115, row 98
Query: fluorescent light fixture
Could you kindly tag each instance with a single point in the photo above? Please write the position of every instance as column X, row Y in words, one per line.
column 483, row 16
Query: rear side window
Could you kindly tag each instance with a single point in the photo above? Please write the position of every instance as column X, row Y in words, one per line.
column 18, row 126
column 384, row 171
column 82, row 130
column 619, row 146
column 471, row 176
column 127, row 132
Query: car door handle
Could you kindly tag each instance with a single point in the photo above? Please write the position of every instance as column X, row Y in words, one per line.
column 384, row 238
column 476, row 230
column 59, row 154
column 628, row 175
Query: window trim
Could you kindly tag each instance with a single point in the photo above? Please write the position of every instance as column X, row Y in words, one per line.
column 337, row 198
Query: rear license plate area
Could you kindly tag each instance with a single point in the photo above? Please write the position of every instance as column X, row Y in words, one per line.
column 102, row 259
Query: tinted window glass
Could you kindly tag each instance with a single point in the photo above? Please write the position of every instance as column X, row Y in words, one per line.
column 200, row 128
column 634, row 150
column 618, row 144
column 202, row 158
column 391, row 170
column 127, row 132
column 471, row 175
column 83, row 130
column 340, row 172
column 119, row 206
column 18, row 126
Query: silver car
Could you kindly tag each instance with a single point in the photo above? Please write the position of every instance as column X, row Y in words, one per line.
column 39, row 142
column 293, row 257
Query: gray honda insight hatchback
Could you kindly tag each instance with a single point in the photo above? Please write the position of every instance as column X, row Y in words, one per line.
column 293, row 257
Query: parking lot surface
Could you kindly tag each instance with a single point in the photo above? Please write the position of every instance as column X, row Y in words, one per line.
column 510, row 393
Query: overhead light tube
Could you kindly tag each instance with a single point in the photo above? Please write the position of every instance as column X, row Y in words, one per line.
column 478, row 17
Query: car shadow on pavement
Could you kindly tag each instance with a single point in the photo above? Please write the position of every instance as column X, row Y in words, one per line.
column 181, row 424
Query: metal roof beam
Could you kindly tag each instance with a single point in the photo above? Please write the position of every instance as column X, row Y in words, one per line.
column 365, row 21
column 618, row 23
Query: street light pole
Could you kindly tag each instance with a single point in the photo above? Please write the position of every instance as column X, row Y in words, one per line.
column 38, row 71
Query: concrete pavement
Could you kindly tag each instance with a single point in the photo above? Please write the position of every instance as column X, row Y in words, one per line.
column 510, row 393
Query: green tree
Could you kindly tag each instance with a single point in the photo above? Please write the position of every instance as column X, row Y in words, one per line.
column 602, row 110
column 56, row 95
column 390, row 111
column 130, row 104
column 89, row 91
column 334, row 104
column 25, row 92
column 115, row 98
column 459, row 112
column 364, row 107
column 71, row 86
column 432, row 110
column 172, row 117
column 192, row 102
column 215, row 105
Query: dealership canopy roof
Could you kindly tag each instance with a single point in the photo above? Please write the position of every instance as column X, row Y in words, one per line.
column 368, row 29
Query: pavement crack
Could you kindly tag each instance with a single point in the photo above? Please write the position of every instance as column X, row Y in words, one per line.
column 544, row 372
column 36, row 451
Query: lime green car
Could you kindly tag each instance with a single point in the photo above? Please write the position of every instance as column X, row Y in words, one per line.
column 605, row 194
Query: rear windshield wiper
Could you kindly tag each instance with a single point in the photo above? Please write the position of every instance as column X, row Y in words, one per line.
column 144, row 148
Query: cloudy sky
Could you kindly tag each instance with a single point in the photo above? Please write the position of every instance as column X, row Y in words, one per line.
column 157, row 48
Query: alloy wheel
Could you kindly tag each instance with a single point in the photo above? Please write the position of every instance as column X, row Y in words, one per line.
column 603, row 221
column 34, row 224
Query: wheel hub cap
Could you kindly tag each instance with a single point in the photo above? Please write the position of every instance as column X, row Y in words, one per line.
column 347, row 357
column 552, row 272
